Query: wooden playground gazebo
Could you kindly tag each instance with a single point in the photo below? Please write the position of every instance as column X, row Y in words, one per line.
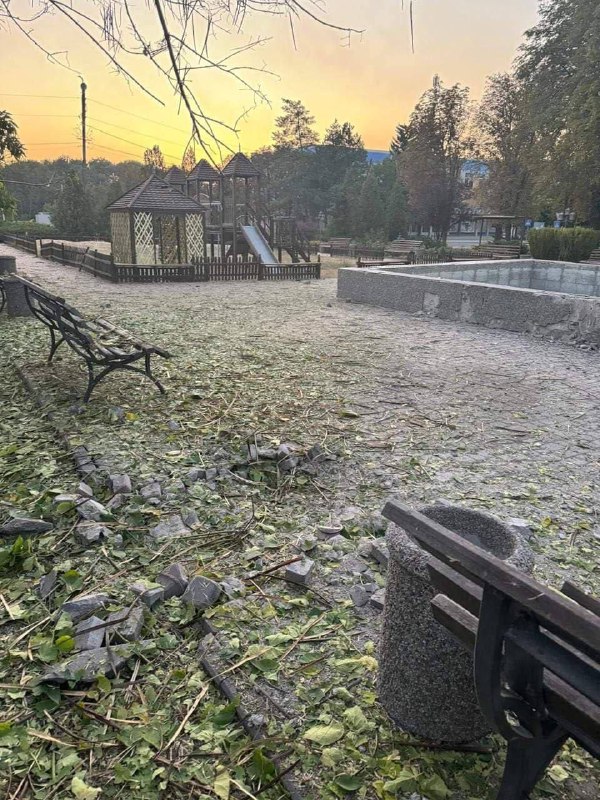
column 154, row 223
column 205, row 180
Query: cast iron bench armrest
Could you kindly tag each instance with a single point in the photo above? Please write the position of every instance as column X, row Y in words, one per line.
column 536, row 651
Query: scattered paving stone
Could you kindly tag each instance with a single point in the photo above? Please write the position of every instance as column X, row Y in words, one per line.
column 150, row 594
column 378, row 599
column 176, row 487
column 151, row 492
column 380, row 552
column 83, row 606
column 117, row 414
column 47, row 584
column 233, row 587
column 353, row 564
column 120, row 484
column 257, row 720
column 91, row 510
column 370, row 588
column 365, row 547
column 210, row 474
column 201, row 592
column 173, row 425
column 86, row 667
column 169, row 527
column 116, row 502
column 194, row 475
column 129, row 629
column 21, row 526
column 174, row 580
column 359, row 596
column 308, row 542
column 90, row 533
column 84, row 490
column 300, row 571
column 91, row 640
column 521, row 526
column 189, row 517
column 350, row 515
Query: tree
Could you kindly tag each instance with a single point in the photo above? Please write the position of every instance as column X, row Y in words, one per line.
column 558, row 68
column 188, row 162
column 73, row 213
column 126, row 34
column 9, row 139
column 294, row 127
column 432, row 159
column 343, row 136
column 154, row 159
column 370, row 218
column 400, row 140
column 397, row 217
column 8, row 204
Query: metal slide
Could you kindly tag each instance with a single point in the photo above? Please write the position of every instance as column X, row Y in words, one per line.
column 258, row 244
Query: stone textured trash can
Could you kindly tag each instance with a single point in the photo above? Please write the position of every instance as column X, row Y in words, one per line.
column 8, row 265
column 16, row 300
column 425, row 677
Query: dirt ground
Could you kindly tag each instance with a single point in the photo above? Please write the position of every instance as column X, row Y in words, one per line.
column 410, row 407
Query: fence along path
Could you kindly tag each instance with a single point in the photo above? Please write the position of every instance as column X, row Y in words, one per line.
column 101, row 265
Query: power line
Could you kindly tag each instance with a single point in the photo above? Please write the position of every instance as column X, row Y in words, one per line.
column 128, row 141
column 137, row 116
column 129, row 130
column 50, row 96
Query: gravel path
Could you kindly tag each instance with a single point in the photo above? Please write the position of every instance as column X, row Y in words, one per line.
column 497, row 420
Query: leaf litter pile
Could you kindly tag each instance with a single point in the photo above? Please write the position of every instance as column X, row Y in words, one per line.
column 287, row 415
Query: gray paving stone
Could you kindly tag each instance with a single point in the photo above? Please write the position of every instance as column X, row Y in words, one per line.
column 151, row 491
column 47, row 584
column 83, row 606
column 201, row 592
column 91, row 510
column 86, row 666
column 378, row 599
column 359, row 596
column 120, row 484
column 174, row 580
column 21, row 526
column 91, row 640
column 353, row 564
column 150, row 594
column 381, row 552
column 300, row 571
column 84, row 490
column 88, row 533
column 129, row 629
column 169, row 527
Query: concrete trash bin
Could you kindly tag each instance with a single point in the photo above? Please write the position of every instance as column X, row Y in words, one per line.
column 16, row 299
column 8, row 265
column 425, row 677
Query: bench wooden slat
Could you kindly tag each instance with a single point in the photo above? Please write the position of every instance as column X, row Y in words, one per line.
column 448, row 582
column 570, row 708
column 559, row 614
column 591, row 603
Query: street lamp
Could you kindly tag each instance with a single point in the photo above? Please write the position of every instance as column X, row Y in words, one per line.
column 566, row 218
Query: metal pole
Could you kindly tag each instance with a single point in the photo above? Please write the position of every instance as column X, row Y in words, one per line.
column 83, row 124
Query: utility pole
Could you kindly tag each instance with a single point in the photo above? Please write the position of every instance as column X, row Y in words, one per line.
column 83, row 125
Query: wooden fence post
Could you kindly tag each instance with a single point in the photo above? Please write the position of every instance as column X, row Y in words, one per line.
column 62, row 258
column 261, row 269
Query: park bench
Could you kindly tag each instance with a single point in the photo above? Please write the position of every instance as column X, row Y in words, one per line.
column 501, row 251
column 104, row 347
column 594, row 258
column 340, row 247
column 402, row 247
column 536, row 651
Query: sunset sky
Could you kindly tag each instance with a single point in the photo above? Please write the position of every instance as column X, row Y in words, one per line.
column 373, row 83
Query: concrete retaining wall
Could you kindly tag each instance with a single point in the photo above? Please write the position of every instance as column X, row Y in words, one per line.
column 512, row 306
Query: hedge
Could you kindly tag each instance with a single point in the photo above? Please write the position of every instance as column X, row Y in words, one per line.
column 563, row 244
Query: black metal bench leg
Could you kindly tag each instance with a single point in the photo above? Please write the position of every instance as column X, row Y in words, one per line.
column 154, row 380
column 54, row 345
column 526, row 761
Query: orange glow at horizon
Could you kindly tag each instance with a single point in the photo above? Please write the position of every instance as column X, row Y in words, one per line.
column 373, row 83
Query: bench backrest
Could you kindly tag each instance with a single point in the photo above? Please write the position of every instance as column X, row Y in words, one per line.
column 502, row 250
column 404, row 246
column 541, row 644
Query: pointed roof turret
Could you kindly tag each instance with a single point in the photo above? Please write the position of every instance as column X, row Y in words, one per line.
column 203, row 171
column 175, row 175
column 240, row 166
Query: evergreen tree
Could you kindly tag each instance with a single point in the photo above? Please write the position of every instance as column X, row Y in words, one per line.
column 294, row 127
column 73, row 214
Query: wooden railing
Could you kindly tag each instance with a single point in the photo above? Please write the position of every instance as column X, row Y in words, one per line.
column 21, row 242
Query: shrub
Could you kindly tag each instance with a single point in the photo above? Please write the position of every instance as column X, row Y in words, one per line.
column 21, row 227
column 563, row 244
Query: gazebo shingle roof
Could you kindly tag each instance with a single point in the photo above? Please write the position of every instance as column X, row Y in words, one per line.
column 154, row 194
column 203, row 171
column 175, row 175
column 240, row 166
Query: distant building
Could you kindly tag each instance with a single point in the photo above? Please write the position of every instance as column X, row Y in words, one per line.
column 43, row 218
